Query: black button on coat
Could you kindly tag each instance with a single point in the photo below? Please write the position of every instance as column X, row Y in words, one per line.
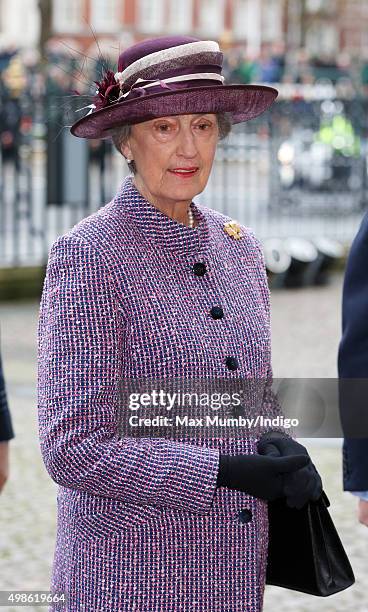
column 199, row 268
column 232, row 363
column 245, row 515
column 217, row 312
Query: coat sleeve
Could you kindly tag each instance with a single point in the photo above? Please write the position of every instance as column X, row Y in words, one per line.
column 80, row 342
column 6, row 426
column 353, row 360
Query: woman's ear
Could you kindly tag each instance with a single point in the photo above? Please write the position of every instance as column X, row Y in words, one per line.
column 126, row 150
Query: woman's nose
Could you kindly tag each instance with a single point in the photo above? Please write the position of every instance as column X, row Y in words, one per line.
column 186, row 145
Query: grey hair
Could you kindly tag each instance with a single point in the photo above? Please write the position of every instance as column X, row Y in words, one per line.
column 120, row 135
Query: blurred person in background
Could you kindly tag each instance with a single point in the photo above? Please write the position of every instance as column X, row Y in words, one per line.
column 246, row 68
column 364, row 71
column 268, row 66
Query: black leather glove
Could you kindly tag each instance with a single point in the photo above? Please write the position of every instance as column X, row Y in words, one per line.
column 299, row 487
column 256, row 475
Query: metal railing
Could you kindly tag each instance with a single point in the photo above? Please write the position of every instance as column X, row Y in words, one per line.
column 298, row 170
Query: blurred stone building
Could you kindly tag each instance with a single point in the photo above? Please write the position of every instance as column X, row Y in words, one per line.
column 322, row 27
column 233, row 22
column 326, row 27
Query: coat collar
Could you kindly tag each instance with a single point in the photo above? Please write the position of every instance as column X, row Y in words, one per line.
column 159, row 229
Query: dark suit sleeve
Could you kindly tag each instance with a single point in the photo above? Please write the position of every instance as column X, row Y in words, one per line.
column 6, row 429
column 353, row 353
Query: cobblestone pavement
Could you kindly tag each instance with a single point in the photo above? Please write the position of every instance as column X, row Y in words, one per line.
column 306, row 331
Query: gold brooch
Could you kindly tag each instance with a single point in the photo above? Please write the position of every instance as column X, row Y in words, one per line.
column 233, row 229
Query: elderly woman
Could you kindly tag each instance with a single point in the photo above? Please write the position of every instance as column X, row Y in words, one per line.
column 155, row 285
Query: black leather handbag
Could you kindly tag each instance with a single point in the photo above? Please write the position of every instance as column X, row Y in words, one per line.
column 305, row 552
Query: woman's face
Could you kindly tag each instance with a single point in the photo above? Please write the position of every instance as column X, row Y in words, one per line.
column 173, row 155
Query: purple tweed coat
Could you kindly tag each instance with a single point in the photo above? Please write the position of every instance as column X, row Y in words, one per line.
column 140, row 525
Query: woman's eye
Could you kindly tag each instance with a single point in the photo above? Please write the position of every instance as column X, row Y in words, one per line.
column 204, row 126
column 163, row 127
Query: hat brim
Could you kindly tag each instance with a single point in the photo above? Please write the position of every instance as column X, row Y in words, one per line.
column 243, row 102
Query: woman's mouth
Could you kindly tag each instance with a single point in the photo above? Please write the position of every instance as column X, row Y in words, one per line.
column 184, row 172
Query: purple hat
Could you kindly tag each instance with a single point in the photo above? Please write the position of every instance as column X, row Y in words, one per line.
column 172, row 75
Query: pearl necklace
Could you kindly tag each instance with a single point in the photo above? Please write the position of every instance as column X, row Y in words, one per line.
column 190, row 217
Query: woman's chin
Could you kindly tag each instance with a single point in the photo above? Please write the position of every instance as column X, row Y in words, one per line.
column 187, row 188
